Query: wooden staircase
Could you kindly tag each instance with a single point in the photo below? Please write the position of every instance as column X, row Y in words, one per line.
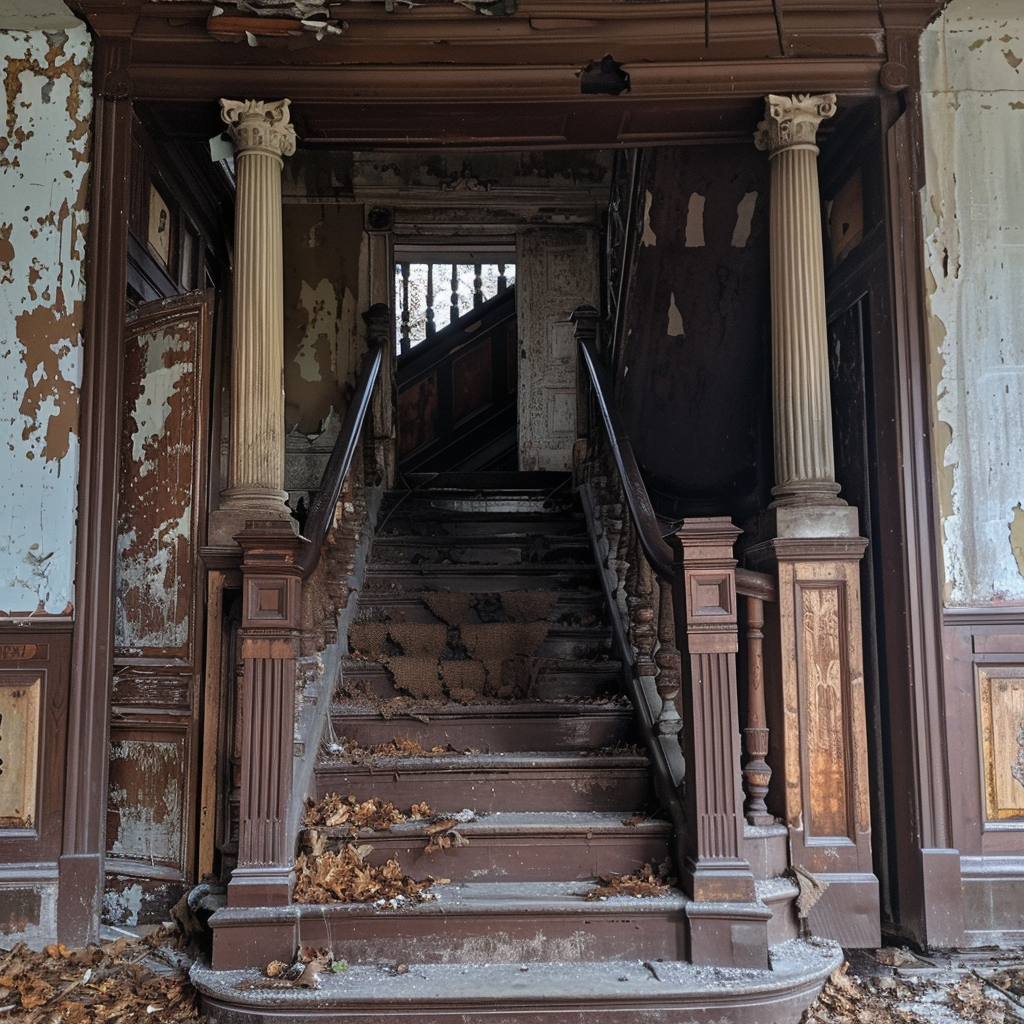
column 481, row 681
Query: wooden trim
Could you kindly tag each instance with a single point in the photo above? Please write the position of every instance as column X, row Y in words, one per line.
column 78, row 910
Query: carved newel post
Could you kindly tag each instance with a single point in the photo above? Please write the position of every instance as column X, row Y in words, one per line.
column 804, row 462
column 262, row 137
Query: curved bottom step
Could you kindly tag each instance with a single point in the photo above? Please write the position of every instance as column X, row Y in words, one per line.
column 616, row 992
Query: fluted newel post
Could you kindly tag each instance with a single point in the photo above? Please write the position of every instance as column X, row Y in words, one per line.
column 804, row 461
column 262, row 137
column 727, row 926
column 269, row 633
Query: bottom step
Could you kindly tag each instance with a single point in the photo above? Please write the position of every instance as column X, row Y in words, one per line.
column 613, row 992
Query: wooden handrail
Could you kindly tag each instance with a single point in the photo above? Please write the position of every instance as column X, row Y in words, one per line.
column 321, row 510
column 658, row 551
column 755, row 584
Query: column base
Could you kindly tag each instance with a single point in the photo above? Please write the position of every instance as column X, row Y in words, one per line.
column 228, row 521
column 810, row 521
column 268, row 885
column 806, row 492
column 848, row 910
column 729, row 934
column 719, row 880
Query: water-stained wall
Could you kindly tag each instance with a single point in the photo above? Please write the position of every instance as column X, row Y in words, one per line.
column 973, row 106
column 44, row 161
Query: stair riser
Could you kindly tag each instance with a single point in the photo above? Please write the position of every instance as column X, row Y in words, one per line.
column 549, row 684
column 521, row 858
column 493, row 734
column 623, row 790
column 418, row 551
column 494, row 938
column 575, row 645
column 466, row 526
column 474, row 579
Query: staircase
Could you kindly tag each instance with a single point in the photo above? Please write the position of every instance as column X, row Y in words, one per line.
column 482, row 700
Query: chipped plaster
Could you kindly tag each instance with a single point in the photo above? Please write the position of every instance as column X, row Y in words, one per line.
column 972, row 99
column 44, row 152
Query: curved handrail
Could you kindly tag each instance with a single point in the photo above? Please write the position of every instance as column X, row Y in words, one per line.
column 658, row 551
column 321, row 510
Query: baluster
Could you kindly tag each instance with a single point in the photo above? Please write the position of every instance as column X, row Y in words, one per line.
column 502, row 282
column 455, row 293
column 429, row 327
column 669, row 663
column 642, row 632
column 478, row 286
column 756, row 773
column 404, row 341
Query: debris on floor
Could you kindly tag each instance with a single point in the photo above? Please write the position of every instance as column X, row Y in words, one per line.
column 897, row 986
column 125, row 980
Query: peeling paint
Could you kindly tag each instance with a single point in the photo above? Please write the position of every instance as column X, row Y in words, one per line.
column 648, row 237
column 320, row 336
column 695, row 222
column 44, row 149
column 675, row 319
column 744, row 220
column 1017, row 536
column 974, row 248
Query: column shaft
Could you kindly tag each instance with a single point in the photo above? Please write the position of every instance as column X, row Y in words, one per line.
column 262, row 135
column 804, row 460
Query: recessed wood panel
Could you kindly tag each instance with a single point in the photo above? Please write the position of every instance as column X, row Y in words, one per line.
column 417, row 415
column 821, row 663
column 1001, row 700
column 471, row 380
column 20, row 700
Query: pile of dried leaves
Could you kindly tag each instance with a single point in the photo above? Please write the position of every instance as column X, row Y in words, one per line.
column 334, row 811
column 100, row 983
column 646, row 881
column 345, row 876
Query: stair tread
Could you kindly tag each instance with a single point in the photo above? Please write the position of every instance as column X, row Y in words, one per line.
column 608, row 986
column 518, row 709
column 526, row 822
column 513, row 760
column 480, row 898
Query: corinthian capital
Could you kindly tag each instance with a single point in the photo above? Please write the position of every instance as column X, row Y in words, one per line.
column 792, row 121
column 258, row 126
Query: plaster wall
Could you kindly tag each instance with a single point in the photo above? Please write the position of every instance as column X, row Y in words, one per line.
column 972, row 67
column 44, row 152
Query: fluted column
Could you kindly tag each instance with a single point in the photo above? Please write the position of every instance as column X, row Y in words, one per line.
column 804, row 460
column 262, row 136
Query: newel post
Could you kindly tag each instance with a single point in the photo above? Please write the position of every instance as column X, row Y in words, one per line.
column 727, row 926
column 269, row 632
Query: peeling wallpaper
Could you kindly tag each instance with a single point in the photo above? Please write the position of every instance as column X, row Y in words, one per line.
column 44, row 153
column 973, row 107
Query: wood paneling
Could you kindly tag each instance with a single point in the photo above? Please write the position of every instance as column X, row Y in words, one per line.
column 1001, row 705
column 157, row 684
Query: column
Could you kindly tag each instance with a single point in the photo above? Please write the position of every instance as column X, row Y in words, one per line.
column 804, row 463
column 262, row 136
column 813, row 636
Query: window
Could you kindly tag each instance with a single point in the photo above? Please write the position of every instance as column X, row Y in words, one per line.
column 436, row 286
